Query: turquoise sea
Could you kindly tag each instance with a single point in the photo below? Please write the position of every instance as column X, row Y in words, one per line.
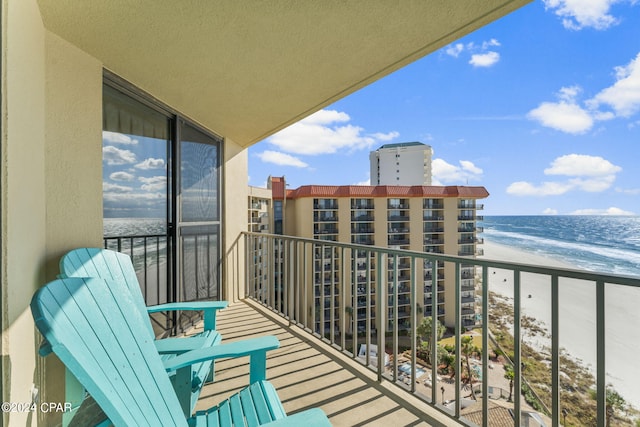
column 603, row 244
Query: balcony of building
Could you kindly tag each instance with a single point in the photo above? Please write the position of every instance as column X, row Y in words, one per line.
column 382, row 330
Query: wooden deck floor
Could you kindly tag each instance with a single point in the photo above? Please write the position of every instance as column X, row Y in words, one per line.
column 309, row 373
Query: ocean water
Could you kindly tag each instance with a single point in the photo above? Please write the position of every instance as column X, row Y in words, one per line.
column 133, row 226
column 602, row 244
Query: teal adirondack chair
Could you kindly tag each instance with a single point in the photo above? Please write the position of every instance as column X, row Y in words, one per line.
column 108, row 264
column 100, row 336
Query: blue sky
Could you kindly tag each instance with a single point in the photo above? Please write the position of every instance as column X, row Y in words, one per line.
column 541, row 107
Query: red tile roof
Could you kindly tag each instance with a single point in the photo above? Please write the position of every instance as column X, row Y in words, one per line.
column 335, row 191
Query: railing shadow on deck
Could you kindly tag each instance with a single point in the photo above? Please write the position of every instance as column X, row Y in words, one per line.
column 307, row 373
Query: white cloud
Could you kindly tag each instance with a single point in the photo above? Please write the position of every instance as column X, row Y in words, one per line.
column 550, row 211
column 325, row 117
column 593, row 185
column 118, row 138
column 385, row 136
column 116, row 156
column 444, row 172
column 609, row 211
column 579, row 14
column 630, row 191
column 588, row 173
column 455, row 50
column 582, row 165
column 281, row 159
column 624, row 95
column 326, row 132
column 481, row 56
column 366, row 182
column 522, row 188
column 470, row 167
column 566, row 115
column 490, row 43
column 121, row 176
column 154, row 183
column 151, row 163
column 484, row 59
column 115, row 188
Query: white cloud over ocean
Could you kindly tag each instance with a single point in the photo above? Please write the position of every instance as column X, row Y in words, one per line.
column 613, row 211
column 586, row 173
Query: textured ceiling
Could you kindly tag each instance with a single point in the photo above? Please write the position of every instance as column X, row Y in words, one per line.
column 247, row 68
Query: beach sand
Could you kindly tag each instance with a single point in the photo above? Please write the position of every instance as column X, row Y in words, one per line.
column 577, row 316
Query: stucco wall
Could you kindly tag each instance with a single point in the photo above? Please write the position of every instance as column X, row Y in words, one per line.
column 52, row 190
column 23, row 201
column 234, row 219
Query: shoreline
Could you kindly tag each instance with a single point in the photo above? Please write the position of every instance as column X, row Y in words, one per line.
column 577, row 316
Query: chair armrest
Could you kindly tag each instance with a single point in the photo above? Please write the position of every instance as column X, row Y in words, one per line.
column 209, row 308
column 313, row 417
column 180, row 345
column 45, row 348
column 255, row 348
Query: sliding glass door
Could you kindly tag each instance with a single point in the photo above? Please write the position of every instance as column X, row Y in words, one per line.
column 161, row 197
column 198, row 214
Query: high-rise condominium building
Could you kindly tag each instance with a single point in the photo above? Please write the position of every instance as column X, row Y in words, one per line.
column 406, row 163
column 431, row 219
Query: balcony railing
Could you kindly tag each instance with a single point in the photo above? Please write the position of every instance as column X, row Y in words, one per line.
column 376, row 326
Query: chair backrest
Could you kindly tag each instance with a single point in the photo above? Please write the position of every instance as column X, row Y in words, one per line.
column 100, row 336
column 105, row 264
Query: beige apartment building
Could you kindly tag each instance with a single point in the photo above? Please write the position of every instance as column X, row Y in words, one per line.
column 433, row 219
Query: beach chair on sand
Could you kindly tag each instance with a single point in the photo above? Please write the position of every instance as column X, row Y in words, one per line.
column 95, row 330
column 107, row 264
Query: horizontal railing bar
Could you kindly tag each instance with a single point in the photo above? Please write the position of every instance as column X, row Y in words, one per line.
column 523, row 268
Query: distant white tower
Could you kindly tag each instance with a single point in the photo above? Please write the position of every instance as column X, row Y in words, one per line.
column 405, row 163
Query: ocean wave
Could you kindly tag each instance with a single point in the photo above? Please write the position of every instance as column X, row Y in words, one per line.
column 604, row 259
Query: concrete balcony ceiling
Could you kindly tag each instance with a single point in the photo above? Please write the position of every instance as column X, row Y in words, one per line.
column 246, row 69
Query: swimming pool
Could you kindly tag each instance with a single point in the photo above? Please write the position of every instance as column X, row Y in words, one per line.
column 406, row 369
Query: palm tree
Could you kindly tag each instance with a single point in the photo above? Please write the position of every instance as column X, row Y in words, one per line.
column 349, row 311
column 469, row 349
column 424, row 331
column 510, row 375
column 614, row 402
column 448, row 360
